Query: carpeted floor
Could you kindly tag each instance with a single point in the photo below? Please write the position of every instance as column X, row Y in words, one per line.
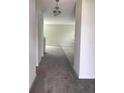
column 55, row 75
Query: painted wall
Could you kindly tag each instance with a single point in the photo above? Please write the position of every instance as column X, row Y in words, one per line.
column 77, row 36
column 39, row 31
column 84, row 64
column 61, row 35
column 87, row 55
column 32, row 41
column 35, row 37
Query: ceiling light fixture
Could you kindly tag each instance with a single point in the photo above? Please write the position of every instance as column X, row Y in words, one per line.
column 56, row 10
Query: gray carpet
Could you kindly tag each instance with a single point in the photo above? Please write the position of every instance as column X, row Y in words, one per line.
column 55, row 75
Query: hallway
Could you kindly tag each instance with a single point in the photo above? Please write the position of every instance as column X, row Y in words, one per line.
column 55, row 75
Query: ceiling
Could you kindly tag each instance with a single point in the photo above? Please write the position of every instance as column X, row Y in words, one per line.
column 66, row 17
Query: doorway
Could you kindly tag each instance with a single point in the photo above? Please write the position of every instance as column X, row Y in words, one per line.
column 62, row 36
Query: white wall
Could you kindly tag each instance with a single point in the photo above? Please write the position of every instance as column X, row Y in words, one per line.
column 40, row 35
column 35, row 38
column 77, row 36
column 39, row 31
column 87, row 55
column 59, row 34
column 32, row 42
column 85, row 37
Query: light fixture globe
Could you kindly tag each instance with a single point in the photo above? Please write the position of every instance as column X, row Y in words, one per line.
column 59, row 11
column 56, row 10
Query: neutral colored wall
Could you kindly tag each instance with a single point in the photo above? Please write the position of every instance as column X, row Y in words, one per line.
column 35, row 37
column 32, row 42
column 77, row 36
column 39, row 31
column 59, row 34
column 87, row 55
column 40, row 35
column 84, row 63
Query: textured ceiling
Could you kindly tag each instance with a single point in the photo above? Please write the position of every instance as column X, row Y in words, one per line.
column 67, row 15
